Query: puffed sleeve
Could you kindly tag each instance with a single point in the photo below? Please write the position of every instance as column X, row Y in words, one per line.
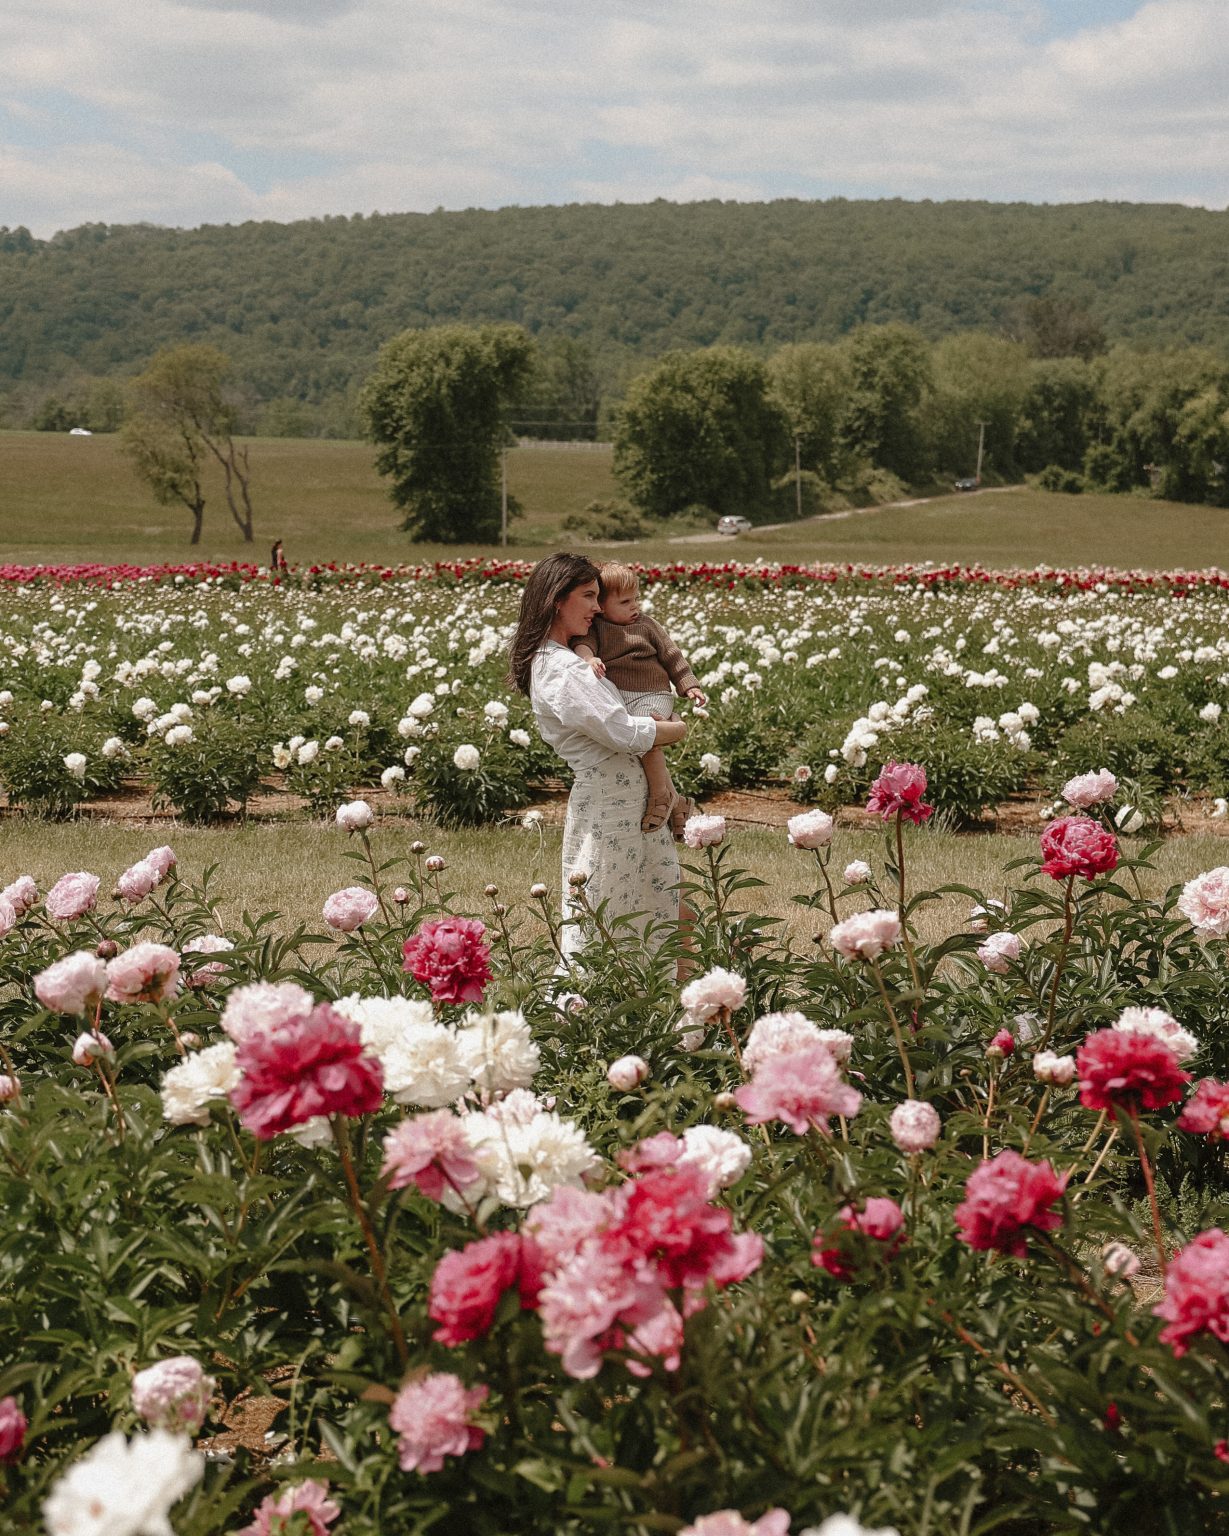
column 592, row 705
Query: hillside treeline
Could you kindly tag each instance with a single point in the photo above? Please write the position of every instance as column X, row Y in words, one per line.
column 302, row 309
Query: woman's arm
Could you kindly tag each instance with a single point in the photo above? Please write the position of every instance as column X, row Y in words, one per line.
column 582, row 702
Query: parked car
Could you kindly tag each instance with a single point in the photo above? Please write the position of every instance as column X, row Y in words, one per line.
column 733, row 525
column 968, row 484
column 79, row 432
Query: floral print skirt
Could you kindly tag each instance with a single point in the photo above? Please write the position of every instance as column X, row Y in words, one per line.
column 630, row 870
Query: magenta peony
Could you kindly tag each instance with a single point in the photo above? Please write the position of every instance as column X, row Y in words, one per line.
column 146, row 973
column 469, row 1283
column 859, row 1238
column 72, row 896
column 350, row 909
column 276, row 1511
column 1196, row 1296
column 13, row 1426
column 1077, row 845
column 74, row 984
column 1206, row 1112
column 449, row 956
column 1004, row 1197
column 801, row 1088
column 1120, row 1069
column 311, row 1065
column 898, row 791
column 430, row 1151
column 433, row 1418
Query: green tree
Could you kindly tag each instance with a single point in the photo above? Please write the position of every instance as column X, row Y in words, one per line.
column 978, row 379
column 562, row 396
column 809, row 381
column 437, row 406
column 183, row 414
column 702, row 428
column 890, row 377
column 1057, row 413
column 1164, row 424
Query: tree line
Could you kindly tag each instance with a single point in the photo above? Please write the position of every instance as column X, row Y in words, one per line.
column 302, row 309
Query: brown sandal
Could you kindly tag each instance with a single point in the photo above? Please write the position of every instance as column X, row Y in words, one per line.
column 658, row 812
column 684, row 809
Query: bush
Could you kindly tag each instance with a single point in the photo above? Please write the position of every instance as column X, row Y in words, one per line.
column 609, row 518
column 1055, row 478
column 211, row 775
column 34, row 770
column 457, row 795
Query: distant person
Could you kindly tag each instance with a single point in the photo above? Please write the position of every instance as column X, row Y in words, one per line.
column 642, row 661
column 277, row 560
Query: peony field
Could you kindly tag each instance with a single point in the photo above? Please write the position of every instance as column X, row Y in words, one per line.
column 387, row 1223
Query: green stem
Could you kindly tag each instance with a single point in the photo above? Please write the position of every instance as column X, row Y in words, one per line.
column 896, row 1029
column 1068, row 925
column 342, row 1138
column 1162, row 1257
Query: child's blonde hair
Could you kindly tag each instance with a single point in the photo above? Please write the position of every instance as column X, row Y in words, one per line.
column 614, row 577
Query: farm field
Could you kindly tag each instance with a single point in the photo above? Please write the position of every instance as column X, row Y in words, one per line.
column 74, row 499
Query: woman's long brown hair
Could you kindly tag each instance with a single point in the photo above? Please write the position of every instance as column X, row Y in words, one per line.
column 549, row 583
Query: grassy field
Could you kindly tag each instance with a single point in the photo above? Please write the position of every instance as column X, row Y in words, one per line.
column 74, row 498
column 291, row 868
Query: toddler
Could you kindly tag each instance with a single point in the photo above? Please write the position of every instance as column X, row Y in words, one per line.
column 642, row 661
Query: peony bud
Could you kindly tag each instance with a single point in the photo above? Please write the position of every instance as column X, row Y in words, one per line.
column 627, row 1073
column 1120, row 1261
column 10, row 1087
column 106, row 949
column 724, row 1101
column 578, row 879
column 915, row 1126
column 538, row 891
column 1001, row 1046
column 491, row 890
column 435, row 864
column 400, row 895
column 87, row 1048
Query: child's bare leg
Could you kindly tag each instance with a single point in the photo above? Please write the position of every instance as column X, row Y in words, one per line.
column 661, row 795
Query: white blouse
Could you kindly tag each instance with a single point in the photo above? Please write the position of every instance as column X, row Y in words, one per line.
column 581, row 716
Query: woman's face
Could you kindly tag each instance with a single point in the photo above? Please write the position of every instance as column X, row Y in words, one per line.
column 575, row 612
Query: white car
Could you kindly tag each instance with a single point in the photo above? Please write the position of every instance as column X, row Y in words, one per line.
column 733, row 525
column 79, row 432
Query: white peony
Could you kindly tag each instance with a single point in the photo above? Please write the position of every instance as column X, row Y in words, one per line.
column 124, row 1487
column 466, row 757
column 202, row 1076
column 498, row 1051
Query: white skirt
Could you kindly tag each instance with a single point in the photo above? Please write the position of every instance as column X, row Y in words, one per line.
column 632, row 871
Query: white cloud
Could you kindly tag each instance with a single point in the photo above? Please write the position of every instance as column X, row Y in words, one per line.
column 194, row 110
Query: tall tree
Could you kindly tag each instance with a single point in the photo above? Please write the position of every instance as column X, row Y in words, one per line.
column 979, row 380
column 809, row 381
column 890, row 376
column 702, row 428
column 437, row 405
column 168, row 459
column 182, row 404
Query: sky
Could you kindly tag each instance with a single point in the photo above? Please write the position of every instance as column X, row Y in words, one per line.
column 184, row 112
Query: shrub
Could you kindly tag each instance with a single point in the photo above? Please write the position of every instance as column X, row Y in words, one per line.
column 1055, row 478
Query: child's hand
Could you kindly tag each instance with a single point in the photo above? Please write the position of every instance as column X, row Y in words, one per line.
column 597, row 666
column 697, row 696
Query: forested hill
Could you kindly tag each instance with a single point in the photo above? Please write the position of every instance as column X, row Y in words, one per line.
column 302, row 308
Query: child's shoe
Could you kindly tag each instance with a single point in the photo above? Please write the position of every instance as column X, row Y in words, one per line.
column 659, row 811
column 684, row 810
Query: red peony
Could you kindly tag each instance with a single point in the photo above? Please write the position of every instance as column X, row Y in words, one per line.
column 448, row 956
column 312, row 1064
column 1123, row 1069
column 469, row 1283
column 1207, row 1111
column 1196, row 1296
column 1077, row 845
column 898, row 791
column 870, row 1234
column 666, row 1218
column 1003, row 1197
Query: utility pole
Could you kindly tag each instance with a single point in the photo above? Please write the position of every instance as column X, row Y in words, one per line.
column 981, row 443
column 503, row 495
column 798, row 474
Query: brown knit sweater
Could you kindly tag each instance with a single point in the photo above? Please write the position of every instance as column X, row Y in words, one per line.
column 640, row 657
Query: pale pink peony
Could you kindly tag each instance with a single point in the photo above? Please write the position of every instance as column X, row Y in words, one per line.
column 728, row 1522
column 355, row 816
column 1162, row 1026
column 310, row 1065
column 8, row 917
column 703, row 831
column 146, row 973
column 13, row 1426
column 801, row 1088
column 1088, row 789
column 866, row 935
column 21, row 895
column 430, row 1151
column 561, row 1223
column 72, row 896
column 88, row 1047
column 10, row 1087
column 136, row 882
column 999, row 950
column 1204, row 902
column 161, row 860
column 350, row 909
column 173, row 1395
column 204, row 974
column 433, row 1418
column 714, row 992
column 1206, row 1112
column 450, row 956
column 74, row 984
column 627, row 1073
column 1120, row 1261
column 857, row 872
column 1196, row 1296
column 811, row 829
column 276, row 1510
column 898, row 791
column 1049, row 1067
column 262, row 1006
column 773, row 1033
column 1005, row 1196
column 915, row 1126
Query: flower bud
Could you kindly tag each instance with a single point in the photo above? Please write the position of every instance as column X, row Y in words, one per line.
column 577, row 879
column 538, row 891
column 400, row 895
column 724, row 1101
column 87, row 1048
column 10, row 1087
column 627, row 1073
column 798, row 1298
column 106, row 949
column 417, row 847
column 500, row 909
column 1001, row 1046
column 190, row 1038
column 1127, row 819
column 491, row 890
column 1120, row 1261
column 435, row 863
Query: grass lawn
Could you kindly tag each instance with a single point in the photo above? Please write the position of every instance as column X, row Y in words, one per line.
column 74, row 498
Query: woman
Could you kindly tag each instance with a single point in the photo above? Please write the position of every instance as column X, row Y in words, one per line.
column 583, row 718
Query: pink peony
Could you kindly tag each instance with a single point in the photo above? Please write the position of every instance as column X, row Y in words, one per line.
column 21, row 895
column 915, row 1126
column 715, row 992
column 801, row 1088
column 703, row 831
column 161, row 860
column 728, row 1522
column 74, row 984
column 13, row 1426
column 350, row 909
column 469, row 1283
column 1003, row 1197
column 311, row 1065
column 450, row 957
column 310, row 1499
column 1003, row 1044
column 72, row 896
column 1077, row 845
column 10, row 1088
column 866, row 935
column 261, row 1006
column 665, row 1216
column 1204, row 902
column 1049, row 1067
column 561, row 1223
column 627, row 1073
column 204, row 974
column 433, row 1417
column 870, row 1234
column 136, row 882
column 1088, row 789
column 1206, row 1112
column 8, row 917
column 858, row 872
column 1196, row 1296
column 1120, row 1261
column 1120, row 1069
column 898, row 791
column 173, row 1395
column 1155, row 1021
column 88, row 1047
column 355, row 816
column 146, row 973
column 999, row 950
column 430, row 1151
column 812, row 829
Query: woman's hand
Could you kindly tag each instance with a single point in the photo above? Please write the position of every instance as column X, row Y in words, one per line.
column 668, row 731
